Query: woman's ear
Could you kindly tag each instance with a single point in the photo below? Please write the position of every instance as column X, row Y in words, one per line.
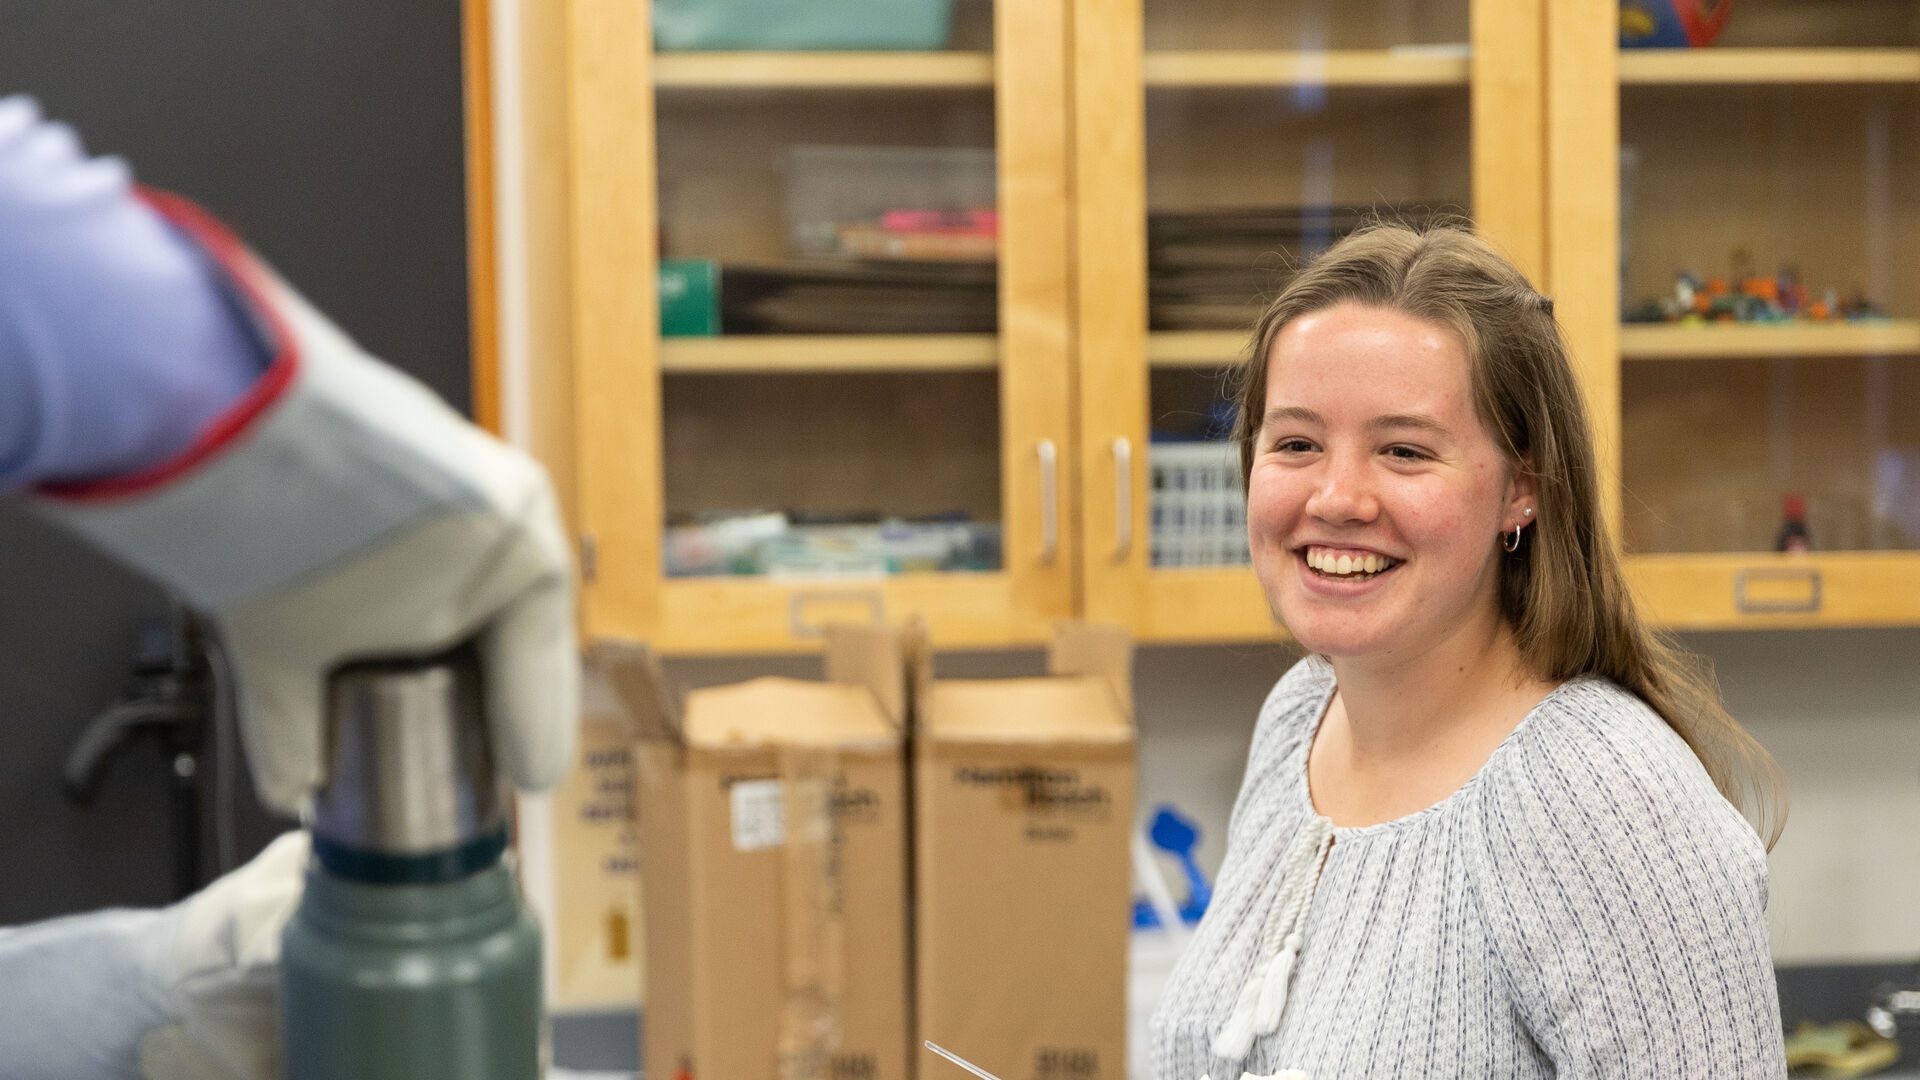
column 1523, row 502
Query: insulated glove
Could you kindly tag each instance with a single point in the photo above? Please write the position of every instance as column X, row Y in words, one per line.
column 336, row 510
column 215, row 963
column 187, row 992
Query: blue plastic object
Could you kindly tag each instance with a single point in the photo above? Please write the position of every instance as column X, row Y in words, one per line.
column 1179, row 836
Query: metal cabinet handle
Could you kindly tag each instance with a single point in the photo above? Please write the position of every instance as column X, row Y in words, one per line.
column 1122, row 497
column 1049, row 500
column 1807, row 577
column 797, row 606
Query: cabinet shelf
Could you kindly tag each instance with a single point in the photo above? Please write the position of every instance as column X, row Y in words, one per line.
column 1203, row 606
column 729, row 616
column 825, row 353
column 1893, row 337
column 1195, row 348
column 823, row 71
column 1766, row 590
column 1277, row 67
column 1670, row 67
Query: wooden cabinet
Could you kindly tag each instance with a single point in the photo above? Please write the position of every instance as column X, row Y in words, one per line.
column 1140, row 148
column 695, row 156
column 1264, row 130
column 1775, row 170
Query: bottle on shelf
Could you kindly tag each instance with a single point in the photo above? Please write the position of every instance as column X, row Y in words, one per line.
column 1793, row 529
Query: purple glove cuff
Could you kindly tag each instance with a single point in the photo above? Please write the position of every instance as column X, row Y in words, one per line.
column 120, row 341
column 234, row 264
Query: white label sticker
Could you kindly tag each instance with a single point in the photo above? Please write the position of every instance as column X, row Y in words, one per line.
column 759, row 815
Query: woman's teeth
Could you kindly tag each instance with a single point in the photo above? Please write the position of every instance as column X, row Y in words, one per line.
column 1358, row 567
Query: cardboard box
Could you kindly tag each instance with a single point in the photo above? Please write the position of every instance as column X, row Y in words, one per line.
column 594, row 930
column 1023, row 801
column 773, row 846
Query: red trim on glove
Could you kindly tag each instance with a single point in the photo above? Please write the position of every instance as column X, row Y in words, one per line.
column 245, row 272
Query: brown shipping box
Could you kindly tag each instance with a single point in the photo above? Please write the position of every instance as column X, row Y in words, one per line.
column 1023, row 799
column 595, row 941
column 773, row 845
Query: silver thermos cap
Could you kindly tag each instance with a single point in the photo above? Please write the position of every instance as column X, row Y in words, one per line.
column 409, row 768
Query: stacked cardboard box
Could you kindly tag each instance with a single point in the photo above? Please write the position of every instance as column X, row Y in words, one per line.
column 772, row 818
column 1023, row 806
column 773, row 826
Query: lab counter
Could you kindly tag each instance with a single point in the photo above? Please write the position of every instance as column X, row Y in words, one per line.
column 606, row 1046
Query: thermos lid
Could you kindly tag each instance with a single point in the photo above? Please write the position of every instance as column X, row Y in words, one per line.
column 411, row 792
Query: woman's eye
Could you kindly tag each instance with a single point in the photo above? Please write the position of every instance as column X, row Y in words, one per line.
column 1292, row 446
column 1408, row 453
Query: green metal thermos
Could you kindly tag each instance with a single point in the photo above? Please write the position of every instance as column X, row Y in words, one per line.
column 412, row 955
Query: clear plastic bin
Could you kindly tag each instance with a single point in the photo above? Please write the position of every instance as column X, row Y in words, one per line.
column 800, row 24
column 829, row 187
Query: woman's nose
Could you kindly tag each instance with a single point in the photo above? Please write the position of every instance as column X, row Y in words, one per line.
column 1344, row 492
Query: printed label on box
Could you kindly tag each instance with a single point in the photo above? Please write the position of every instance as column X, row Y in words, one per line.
column 759, row 815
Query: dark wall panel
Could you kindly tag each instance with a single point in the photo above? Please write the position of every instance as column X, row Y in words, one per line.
column 328, row 133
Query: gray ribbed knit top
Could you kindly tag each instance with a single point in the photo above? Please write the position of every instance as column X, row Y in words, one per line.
column 1587, row 905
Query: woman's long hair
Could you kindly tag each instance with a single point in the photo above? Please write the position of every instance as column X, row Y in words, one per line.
column 1563, row 592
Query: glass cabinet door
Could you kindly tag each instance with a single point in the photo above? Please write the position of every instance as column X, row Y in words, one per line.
column 1769, row 440
column 1245, row 137
column 820, row 253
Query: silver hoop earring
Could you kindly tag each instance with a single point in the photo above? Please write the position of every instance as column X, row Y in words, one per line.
column 1511, row 545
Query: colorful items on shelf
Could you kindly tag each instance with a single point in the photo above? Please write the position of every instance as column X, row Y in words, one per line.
column 880, row 240
column 1746, row 297
column 1672, row 24
column 918, row 191
column 777, row 544
column 971, row 235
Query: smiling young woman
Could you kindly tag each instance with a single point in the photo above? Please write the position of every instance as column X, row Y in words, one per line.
column 1492, row 824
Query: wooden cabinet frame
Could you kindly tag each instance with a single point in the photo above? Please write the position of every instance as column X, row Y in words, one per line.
column 618, row 363
column 1717, row 591
column 568, row 359
column 1505, row 74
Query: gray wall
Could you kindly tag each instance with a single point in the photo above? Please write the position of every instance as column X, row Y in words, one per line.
column 328, row 133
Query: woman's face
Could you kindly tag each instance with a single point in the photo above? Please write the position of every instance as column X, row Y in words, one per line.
column 1370, row 454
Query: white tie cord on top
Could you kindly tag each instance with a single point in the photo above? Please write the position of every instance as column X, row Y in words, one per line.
column 1263, row 997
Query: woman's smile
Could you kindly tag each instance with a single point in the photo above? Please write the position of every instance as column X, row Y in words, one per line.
column 1344, row 571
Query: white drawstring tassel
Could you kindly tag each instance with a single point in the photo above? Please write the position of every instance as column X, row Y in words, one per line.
column 1263, row 997
column 1235, row 1040
column 1273, row 988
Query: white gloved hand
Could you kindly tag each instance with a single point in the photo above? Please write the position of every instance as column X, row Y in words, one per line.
column 344, row 512
column 215, row 962
column 187, row 992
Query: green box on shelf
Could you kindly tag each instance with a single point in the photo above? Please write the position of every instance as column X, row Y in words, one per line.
column 689, row 298
column 801, row 24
